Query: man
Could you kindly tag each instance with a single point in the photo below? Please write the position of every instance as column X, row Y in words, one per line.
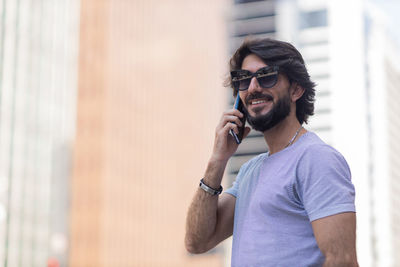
column 292, row 206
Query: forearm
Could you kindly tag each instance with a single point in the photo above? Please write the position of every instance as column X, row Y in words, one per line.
column 341, row 261
column 201, row 220
column 210, row 219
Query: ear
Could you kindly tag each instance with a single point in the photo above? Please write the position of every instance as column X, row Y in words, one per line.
column 296, row 92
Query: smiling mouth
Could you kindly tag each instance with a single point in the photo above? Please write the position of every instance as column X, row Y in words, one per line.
column 258, row 101
column 255, row 102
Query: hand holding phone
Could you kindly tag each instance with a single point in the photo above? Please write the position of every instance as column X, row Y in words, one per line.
column 239, row 106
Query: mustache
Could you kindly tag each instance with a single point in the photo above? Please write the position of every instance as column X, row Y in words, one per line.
column 258, row 95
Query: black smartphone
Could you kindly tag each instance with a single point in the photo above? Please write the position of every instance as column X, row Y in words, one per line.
column 239, row 106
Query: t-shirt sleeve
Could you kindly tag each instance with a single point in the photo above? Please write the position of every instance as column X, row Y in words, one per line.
column 233, row 190
column 324, row 183
column 242, row 172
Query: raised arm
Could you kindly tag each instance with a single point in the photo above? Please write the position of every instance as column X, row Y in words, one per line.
column 210, row 218
column 336, row 238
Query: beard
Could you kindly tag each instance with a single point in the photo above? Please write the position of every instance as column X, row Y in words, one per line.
column 278, row 113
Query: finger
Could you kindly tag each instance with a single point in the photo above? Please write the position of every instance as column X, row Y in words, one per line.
column 234, row 112
column 231, row 118
column 230, row 126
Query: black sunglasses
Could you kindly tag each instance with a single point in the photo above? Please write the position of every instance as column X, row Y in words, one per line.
column 266, row 77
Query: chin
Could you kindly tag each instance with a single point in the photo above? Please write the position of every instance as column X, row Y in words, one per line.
column 259, row 112
column 265, row 118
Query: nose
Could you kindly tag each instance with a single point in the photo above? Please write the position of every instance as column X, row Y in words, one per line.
column 254, row 86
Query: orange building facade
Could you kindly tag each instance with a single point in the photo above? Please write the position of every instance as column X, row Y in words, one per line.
column 150, row 95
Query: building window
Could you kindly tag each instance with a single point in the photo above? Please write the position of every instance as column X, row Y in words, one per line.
column 312, row 19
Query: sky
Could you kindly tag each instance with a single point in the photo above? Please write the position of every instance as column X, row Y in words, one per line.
column 392, row 9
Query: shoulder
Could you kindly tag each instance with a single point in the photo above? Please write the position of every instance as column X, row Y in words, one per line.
column 319, row 159
column 317, row 151
column 323, row 181
column 322, row 154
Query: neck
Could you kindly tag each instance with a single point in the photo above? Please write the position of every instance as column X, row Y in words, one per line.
column 278, row 137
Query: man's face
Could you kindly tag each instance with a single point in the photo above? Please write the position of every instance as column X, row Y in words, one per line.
column 265, row 107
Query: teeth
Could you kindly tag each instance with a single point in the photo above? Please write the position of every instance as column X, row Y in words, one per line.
column 258, row 102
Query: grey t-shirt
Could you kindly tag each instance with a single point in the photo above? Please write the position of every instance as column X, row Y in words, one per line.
column 277, row 198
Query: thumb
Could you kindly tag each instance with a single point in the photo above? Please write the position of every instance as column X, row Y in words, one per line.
column 246, row 131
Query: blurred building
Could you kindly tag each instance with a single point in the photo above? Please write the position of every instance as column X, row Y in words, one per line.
column 149, row 97
column 383, row 83
column 38, row 67
column 149, row 83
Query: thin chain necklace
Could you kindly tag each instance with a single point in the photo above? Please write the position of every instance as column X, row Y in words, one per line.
column 294, row 136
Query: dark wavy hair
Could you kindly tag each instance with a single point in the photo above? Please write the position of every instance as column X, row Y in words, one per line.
column 290, row 62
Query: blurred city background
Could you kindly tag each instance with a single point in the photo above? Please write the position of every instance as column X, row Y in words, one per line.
column 108, row 110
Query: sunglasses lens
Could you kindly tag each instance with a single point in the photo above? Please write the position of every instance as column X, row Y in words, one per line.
column 268, row 81
column 244, row 84
column 241, row 81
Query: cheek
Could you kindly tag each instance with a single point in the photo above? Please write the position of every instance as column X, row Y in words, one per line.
column 282, row 82
column 281, row 90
